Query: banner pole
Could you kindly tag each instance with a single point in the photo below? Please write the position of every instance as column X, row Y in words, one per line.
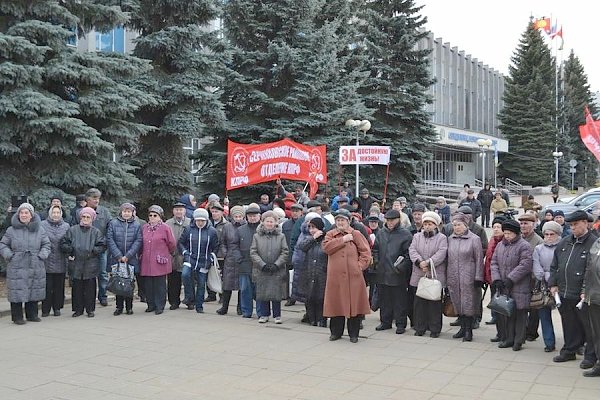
column 387, row 175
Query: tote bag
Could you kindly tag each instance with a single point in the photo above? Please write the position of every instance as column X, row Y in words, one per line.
column 430, row 288
column 213, row 280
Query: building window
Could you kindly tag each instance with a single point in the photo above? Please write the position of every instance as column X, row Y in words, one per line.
column 111, row 41
column 72, row 39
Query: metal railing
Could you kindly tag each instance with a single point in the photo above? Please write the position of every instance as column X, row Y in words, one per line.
column 513, row 186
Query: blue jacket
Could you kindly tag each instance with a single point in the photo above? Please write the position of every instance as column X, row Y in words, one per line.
column 124, row 238
column 189, row 208
column 196, row 244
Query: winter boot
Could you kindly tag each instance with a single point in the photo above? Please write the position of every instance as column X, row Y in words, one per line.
column 461, row 332
column 226, row 297
column 468, row 325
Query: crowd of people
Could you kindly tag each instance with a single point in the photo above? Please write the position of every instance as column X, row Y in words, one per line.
column 342, row 262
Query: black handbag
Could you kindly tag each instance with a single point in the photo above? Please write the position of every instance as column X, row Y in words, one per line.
column 503, row 304
column 121, row 285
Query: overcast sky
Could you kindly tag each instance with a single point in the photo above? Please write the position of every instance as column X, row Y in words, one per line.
column 490, row 30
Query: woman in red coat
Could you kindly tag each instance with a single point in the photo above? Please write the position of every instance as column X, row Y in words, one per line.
column 345, row 292
column 158, row 245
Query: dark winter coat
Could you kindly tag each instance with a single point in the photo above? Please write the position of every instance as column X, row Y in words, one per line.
column 345, row 289
column 567, row 270
column 465, row 266
column 197, row 244
column 365, row 205
column 269, row 247
column 230, row 247
column 246, row 234
column 25, row 248
column 103, row 217
column 124, row 239
column 477, row 229
column 85, row 244
column 189, row 208
column 514, row 260
column 444, row 213
column 424, row 248
column 158, row 245
column 592, row 276
column 299, row 265
column 219, row 226
column 177, row 229
column 475, row 207
column 56, row 263
column 389, row 245
column 485, row 197
column 314, row 278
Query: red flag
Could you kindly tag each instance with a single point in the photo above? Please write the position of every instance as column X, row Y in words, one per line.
column 590, row 134
column 542, row 23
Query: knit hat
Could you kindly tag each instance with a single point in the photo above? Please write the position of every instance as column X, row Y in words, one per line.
column 419, row 207
column 237, row 210
column 317, row 223
column 343, row 213
column 268, row 214
column 279, row 213
column 311, row 215
column 214, row 197
column 465, row 210
column 401, row 199
column 512, row 226
column 156, row 209
column 432, row 217
column 200, row 213
column 89, row 211
column 498, row 220
column 57, row 197
column 460, row 217
column 558, row 213
column 127, row 206
column 27, row 207
column 552, row 226
column 93, row 192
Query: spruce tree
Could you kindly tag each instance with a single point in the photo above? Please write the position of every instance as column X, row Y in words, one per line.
column 576, row 95
column 188, row 60
column 528, row 119
column 63, row 113
column 397, row 89
column 296, row 73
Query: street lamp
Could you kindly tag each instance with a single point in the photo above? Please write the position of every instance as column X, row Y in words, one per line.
column 557, row 156
column 363, row 126
column 483, row 144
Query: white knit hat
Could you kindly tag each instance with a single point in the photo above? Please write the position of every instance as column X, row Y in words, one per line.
column 432, row 217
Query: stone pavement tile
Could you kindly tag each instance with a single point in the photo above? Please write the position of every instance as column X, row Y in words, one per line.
column 338, row 385
column 320, row 370
column 480, row 381
column 394, row 376
column 80, row 379
column 441, row 396
column 308, row 380
column 497, row 394
column 172, row 393
column 137, row 377
column 464, row 391
column 320, row 393
column 412, row 363
column 560, row 380
column 268, row 375
column 445, row 366
column 239, row 370
column 433, row 380
column 249, row 384
column 353, row 375
column 518, row 376
column 551, row 390
column 587, row 383
column 526, row 367
column 80, row 393
column 404, row 394
column 584, row 394
column 132, row 389
column 22, row 381
column 281, row 389
column 479, row 371
column 490, row 363
column 511, row 386
column 566, row 369
column 372, row 391
column 51, row 389
column 531, row 396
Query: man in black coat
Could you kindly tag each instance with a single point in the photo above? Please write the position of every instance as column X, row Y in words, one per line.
column 485, row 197
column 392, row 266
column 473, row 203
column 566, row 278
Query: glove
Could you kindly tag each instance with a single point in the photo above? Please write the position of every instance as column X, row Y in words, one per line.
column 508, row 284
column 187, row 264
column 478, row 284
column 498, row 285
column 266, row 268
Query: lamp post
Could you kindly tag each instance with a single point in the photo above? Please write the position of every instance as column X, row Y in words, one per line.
column 557, row 156
column 483, row 144
column 363, row 126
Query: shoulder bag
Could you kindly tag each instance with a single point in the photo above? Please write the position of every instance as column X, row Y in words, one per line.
column 430, row 288
column 121, row 285
column 503, row 304
column 448, row 307
column 541, row 297
column 213, row 279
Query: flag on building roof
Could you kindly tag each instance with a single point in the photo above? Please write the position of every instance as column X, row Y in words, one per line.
column 542, row 23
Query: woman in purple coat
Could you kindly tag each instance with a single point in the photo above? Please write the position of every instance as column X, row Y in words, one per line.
column 512, row 265
column 464, row 273
column 155, row 263
column 428, row 246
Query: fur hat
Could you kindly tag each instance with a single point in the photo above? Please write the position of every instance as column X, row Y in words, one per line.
column 127, row 206
column 512, row 226
column 214, row 197
column 432, row 217
column 317, row 223
column 279, row 212
column 237, row 210
column 552, row 226
column 268, row 214
column 311, row 215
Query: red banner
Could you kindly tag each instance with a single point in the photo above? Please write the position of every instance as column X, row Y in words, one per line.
column 590, row 134
column 248, row 164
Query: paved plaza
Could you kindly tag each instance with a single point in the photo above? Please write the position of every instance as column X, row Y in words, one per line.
column 184, row 355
